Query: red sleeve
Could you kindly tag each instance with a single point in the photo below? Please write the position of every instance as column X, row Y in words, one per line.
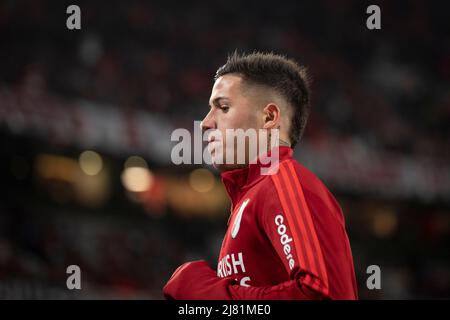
column 286, row 220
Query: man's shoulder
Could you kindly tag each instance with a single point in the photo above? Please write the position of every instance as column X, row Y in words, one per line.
column 290, row 177
column 276, row 179
column 289, row 168
column 294, row 185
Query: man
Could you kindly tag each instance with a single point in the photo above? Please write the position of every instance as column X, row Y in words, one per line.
column 286, row 236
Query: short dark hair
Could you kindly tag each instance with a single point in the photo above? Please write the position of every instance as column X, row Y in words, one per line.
column 284, row 75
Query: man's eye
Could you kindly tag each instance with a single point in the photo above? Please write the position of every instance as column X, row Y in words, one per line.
column 224, row 108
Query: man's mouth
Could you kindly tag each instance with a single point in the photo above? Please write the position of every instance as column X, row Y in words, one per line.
column 212, row 145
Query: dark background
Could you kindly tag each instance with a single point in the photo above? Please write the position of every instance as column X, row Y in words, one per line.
column 378, row 136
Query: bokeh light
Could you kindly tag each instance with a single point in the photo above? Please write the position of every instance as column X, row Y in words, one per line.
column 91, row 162
column 201, row 180
column 136, row 177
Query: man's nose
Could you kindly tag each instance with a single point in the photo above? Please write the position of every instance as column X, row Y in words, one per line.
column 208, row 122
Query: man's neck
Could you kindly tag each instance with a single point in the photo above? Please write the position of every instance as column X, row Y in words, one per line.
column 284, row 143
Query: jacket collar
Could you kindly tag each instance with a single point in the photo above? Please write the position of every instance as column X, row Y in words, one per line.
column 238, row 181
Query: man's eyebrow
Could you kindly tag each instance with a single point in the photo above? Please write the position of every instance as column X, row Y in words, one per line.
column 216, row 101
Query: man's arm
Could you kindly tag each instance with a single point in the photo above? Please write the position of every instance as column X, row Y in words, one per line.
column 197, row 281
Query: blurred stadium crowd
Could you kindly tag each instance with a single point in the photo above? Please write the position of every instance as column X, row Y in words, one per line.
column 378, row 136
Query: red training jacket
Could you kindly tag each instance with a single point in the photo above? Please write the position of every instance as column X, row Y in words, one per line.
column 286, row 239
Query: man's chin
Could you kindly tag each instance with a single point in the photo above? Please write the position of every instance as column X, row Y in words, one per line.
column 222, row 167
column 217, row 161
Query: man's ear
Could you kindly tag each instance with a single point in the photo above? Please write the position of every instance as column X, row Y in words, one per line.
column 272, row 116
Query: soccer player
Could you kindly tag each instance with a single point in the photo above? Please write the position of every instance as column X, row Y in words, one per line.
column 286, row 236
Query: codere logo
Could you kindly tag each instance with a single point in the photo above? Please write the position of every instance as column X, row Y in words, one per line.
column 284, row 240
